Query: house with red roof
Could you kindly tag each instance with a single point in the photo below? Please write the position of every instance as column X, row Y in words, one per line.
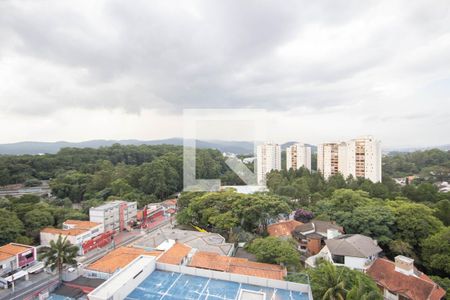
column 283, row 228
column 400, row 280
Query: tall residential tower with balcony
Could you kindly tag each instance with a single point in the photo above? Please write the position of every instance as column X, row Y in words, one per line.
column 268, row 158
column 297, row 156
column 359, row 157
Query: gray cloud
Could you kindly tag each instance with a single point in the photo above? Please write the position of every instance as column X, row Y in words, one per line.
column 282, row 56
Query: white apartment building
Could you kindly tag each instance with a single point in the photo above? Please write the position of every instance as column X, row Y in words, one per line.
column 359, row 157
column 297, row 156
column 115, row 215
column 75, row 231
column 364, row 158
column 268, row 158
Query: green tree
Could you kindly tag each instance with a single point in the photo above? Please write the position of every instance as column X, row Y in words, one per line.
column 436, row 252
column 226, row 221
column 252, row 212
column 159, row 178
column 443, row 211
column 37, row 219
column 72, row 185
column 372, row 220
column 11, row 227
column 24, row 240
column 363, row 290
column 399, row 247
column 330, row 282
column 59, row 254
column 275, row 251
column 120, row 187
column 414, row 222
column 341, row 204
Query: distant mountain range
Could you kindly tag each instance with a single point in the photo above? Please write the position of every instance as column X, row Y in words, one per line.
column 412, row 149
column 19, row 148
column 237, row 147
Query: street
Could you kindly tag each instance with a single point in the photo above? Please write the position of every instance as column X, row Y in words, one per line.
column 39, row 281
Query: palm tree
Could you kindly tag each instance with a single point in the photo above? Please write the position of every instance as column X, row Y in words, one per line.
column 360, row 291
column 60, row 253
column 330, row 282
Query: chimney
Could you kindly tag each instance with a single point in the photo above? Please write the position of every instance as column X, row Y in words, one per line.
column 404, row 265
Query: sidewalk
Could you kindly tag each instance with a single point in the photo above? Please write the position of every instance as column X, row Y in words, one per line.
column 23, row 287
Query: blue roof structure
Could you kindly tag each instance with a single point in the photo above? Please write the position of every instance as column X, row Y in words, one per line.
column 177, row 286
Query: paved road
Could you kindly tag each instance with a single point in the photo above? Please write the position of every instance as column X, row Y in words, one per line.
column 24, row 288
column 38, row 281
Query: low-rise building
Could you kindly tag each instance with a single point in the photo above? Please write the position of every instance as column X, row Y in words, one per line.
column 85, row 235
column 354, row 251
column 401, row 280
column 170, row 204
column 312, row 235
column 150, row 214
column 15, row 256
column 444, row 187
column 283, row 228
column 203, row 241
column 245, row 189
column 213, row 261
column 115, row 260
column 177, row 254
column 115, row 215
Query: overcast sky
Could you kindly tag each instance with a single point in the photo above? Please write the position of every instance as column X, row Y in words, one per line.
column 80, row 70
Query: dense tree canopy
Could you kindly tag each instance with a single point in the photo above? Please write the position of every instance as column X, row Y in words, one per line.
column 274, row 250
column 433, row 164
column 436, row 252
column 414, row 222
column 227, row 209
column 22, row 218
column 83, row 174
column 10, row 226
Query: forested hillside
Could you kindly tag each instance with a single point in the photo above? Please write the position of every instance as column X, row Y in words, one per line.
column 132, row 172
column 432, row 165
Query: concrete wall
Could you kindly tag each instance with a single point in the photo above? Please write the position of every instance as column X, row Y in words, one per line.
column 121, row 284
column 314, row 246
column 355, row 262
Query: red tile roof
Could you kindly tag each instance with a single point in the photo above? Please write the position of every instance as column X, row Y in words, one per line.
column 11, row 250
column 214, row 261
column 82, row 224
column 63, row 232
column 170, row 202
column 410, row 286
column 175, row 254
column 283, row 228
column 118, row 259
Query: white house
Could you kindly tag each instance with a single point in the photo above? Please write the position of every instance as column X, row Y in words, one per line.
column 354, row 251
